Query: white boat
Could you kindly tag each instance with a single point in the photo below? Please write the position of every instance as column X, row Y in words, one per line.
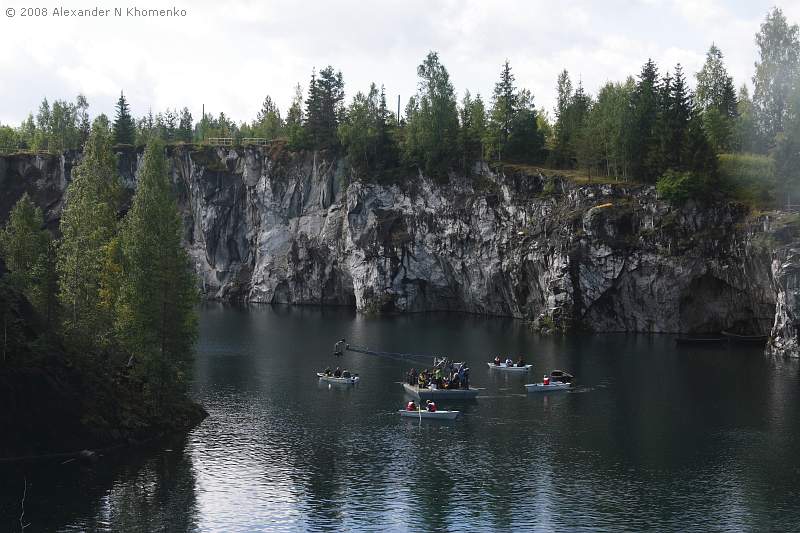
column 513, row 368
column 552, row 386
column 352, row 380
column 441, row 394
column 442, row 415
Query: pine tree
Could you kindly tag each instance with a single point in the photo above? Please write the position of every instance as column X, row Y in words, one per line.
column 23, row 242
column 324, row 108
column 268, row 123
column 185, row 126
column 295, row 120
column 88, row 223
column 84, row 126
column 643, row 139
column 504, row 110
column 155, row 311
column 124, row 128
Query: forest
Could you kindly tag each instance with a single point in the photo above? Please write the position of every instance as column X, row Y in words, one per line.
column 712, row 142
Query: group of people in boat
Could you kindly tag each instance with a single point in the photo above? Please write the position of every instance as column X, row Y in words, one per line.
column 429, row 406
column 441, row 377
column 338, row 373
column 520, row 361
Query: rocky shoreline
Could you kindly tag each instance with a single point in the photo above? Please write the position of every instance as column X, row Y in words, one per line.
column 264, row 224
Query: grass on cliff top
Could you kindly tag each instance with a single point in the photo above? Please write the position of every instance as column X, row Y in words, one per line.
column 579, row 176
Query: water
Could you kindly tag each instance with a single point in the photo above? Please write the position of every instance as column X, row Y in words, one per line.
column 655, row 438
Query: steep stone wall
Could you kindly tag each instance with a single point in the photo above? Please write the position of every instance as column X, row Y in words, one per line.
column 268, row 225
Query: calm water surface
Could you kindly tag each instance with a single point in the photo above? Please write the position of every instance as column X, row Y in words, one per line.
column 655, row 438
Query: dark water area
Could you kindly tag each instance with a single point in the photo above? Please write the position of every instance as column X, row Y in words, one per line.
column 653, row 437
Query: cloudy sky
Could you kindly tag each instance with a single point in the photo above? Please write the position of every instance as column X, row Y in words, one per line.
column 229, row 55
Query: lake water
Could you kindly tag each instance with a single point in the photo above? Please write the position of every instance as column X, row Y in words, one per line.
column 654, row 437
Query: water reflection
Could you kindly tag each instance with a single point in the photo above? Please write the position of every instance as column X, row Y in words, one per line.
column 652, row 438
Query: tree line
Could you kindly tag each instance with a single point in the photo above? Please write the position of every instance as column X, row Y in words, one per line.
column 119, row 292
column 644, row 128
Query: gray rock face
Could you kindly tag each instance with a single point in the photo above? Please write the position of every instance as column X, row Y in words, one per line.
column 267, row 225
column 785, row 335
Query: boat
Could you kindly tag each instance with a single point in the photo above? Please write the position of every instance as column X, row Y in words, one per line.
column 547, row 387
column 441, row 415
column 441, row 394
column 352, row 380
column 513, row 368
column 734, row 337
column 700, row 340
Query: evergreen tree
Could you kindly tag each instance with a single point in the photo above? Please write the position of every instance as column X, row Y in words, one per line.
column 88, row 223
column 185, row 126
column 473, row 129
column 525, row 142
column 155, row 310
column 268, row 123
column 324, row 108
column 643, row 139
column 295, row 120
column 716, row 98
column 23, row 242
column 432, row 120
column 746, row 137
column 124, row 127
column 777, row 73
column 504, row 110
column 562, row 131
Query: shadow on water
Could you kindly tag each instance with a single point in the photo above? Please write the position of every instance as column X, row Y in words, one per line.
column 653, row 437
column 136, row 490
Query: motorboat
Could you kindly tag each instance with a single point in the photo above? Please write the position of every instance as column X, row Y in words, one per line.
column 442, row 415
column 428, row 393
column 513, row 368
column 350, row 380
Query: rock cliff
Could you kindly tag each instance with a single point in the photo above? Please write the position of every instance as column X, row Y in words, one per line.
column 268, row 225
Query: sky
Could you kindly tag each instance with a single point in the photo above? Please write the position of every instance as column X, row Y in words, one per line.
column 229, row 55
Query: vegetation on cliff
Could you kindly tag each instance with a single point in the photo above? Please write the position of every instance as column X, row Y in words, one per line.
column 112, row 325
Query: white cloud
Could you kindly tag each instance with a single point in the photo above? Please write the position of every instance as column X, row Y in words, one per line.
column 229, row 55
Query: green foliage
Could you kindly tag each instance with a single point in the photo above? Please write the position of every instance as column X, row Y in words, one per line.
column 473, row 129
column 324, row 108
column 155, row 316
column 268, row 123
column 777, row 73
column 679, row 187
column 750, row 178
column 365, row 131
column 88, row 223
column 431, row 137
column 124, row 129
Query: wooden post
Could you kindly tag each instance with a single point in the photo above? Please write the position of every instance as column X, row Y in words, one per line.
column 398, row 109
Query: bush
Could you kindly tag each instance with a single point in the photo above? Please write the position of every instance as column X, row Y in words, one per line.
column 678, row 187
column 749, row 178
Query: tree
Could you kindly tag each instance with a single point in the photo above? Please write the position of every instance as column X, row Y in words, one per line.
column 473, row 129
column 295, row 120
column 88, row 223
column 185, row 126
column 525, row 142
column 777, row 72
column 715, row 96
column 124, row 128
column 643, row 140
column 268, row 123
column 432, row 120
column 746, row 137
column 562, row 132
column 84, row 126
column 23, row 244
column 505, row 106
column 155, row 311
column 787, row 152
column 324, row 108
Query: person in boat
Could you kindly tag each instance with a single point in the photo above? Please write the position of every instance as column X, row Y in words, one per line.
column 338, row 348
column 520, row 361
column 345, row 373
column 328, row 371
column 509, row 362
column 466, row 376
column 430, row 406
column 497, row 360
column 461, row 376
column 337, row 373
column 411, row 406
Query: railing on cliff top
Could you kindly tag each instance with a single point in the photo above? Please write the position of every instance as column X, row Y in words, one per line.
column 230, row 141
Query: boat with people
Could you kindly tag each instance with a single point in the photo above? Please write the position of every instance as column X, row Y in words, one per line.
column 513, row 368
column 412, row 410
column 441, row 415
column 429, row 393
column 338, row 376
column 556, row 381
